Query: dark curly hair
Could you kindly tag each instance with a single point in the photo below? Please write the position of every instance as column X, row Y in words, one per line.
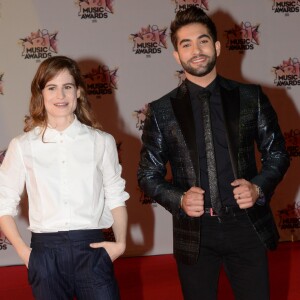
column 191, row 15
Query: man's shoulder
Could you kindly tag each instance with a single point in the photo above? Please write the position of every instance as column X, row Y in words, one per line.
column 165, row 99
column 232, row 84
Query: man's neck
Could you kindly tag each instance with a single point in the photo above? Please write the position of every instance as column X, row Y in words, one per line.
column 203, row 81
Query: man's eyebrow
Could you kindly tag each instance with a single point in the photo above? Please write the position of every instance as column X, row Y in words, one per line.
column 199, row 37
column 204, row 36
column 184, row 41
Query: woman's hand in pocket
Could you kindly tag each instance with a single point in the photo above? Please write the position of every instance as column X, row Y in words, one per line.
column 114, row 249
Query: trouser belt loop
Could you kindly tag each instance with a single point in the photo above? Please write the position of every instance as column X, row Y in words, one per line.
column 212, row 212
column 226, row 210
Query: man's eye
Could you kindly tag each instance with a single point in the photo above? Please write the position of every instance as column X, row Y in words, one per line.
column 203, row 41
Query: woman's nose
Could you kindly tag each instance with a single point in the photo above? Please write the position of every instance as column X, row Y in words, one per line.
column 60, row 93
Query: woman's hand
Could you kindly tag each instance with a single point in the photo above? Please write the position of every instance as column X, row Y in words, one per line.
column 114, row 249
column 24, row 254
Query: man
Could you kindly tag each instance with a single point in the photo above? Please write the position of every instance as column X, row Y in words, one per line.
column 237, row 228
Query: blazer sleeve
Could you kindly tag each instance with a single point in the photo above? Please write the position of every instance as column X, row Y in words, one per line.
column 152, row 167
column 271, row 144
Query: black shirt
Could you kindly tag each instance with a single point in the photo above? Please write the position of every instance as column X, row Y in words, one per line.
column 224, row 169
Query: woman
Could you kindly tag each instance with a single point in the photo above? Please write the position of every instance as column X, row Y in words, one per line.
column 73, row 179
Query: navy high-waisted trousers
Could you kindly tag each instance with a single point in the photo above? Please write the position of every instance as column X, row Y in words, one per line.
column 63, row 265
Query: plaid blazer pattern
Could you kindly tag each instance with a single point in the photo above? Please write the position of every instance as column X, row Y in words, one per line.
column 169, row 138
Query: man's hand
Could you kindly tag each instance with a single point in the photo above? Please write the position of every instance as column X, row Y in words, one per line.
column 193, row 202
column 245, row 193
column 113, row 249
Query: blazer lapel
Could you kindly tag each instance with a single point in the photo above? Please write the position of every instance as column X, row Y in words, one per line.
column 231, row 108
column 183, row 113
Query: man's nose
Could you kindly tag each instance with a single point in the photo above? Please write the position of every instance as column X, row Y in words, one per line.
column 196, row 48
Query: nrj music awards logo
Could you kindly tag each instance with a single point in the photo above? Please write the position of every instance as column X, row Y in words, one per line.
column 4, row 242
column 287, row 73
column 101, row 81
column 95, row 9
column 184, row 4
column 289, row 218
column 180, row 76
column 140, row 116
column 2, row 154
column 39, row 44
column 1, row 83
column 286, row 6
column 292, row 141
column 244, row 37
column 149, row 40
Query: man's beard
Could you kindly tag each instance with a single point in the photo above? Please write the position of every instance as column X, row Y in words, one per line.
column 200, row 72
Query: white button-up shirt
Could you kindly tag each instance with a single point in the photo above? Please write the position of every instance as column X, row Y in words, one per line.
column 73, row 178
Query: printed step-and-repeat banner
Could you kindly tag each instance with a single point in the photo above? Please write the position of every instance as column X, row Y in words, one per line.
column 125, row 53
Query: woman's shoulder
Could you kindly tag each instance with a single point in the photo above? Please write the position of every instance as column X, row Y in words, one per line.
column 100, row 134
column 22, row 137
column 20, row 140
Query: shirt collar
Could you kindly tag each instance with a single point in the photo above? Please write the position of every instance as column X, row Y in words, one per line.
column 74, row 128
column 195, row 89
column 51, row 133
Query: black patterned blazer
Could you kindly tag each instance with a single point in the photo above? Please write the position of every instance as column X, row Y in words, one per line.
column 169, row 137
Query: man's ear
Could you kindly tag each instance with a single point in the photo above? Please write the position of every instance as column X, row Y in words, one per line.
column 176, row 56
column 218, row 47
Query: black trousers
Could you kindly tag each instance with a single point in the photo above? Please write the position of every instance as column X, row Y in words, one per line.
column 232, row 242
column 63, row 265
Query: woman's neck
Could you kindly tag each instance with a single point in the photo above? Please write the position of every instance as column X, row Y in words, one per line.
column 60, row 124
